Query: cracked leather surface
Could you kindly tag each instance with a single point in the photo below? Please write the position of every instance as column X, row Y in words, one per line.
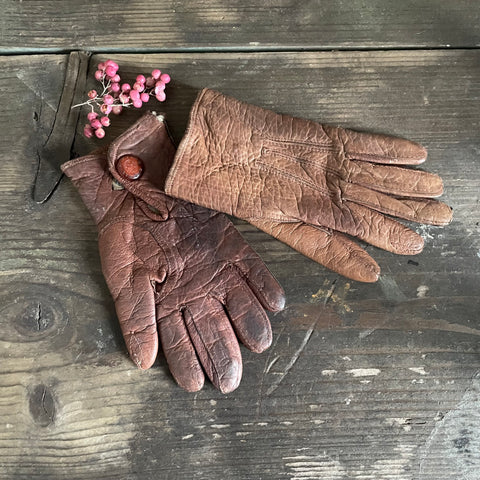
column 177, row 272
column 311, row 186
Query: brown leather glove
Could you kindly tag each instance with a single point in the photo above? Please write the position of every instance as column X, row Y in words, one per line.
column 174, row 269
column 306, row 184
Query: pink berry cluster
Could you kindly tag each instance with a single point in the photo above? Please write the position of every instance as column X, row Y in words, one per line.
column 116, row 95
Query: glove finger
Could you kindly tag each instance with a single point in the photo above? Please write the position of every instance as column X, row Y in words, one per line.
column 134, row 298
column 379, row 148
column 180, row 353
column 258, row 276
column 249, row 319
column 135, row 309
column 215, row 342
column 382, row 231
column 395, row 180
column 327, row 247
column 416, row 210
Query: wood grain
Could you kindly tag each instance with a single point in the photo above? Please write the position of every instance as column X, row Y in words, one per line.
column 362, row 381
column 139, row 25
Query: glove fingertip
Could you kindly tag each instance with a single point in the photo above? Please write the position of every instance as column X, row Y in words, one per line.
column 231, row 376
column 267, row 289
column 141, row 362
column 369, row 273
column 263, row 344
column 356, row 265
column 445, row 215
column 436, row 185
column 143, row 349
column 189, row 377
column 276, row 299
column 194, row 384
column 407, row 243
column 418, row 153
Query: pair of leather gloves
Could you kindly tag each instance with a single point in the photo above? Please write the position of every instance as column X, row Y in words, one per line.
column 182, row 273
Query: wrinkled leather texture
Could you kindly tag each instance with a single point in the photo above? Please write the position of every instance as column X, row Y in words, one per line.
column 309, row 185
column 176, row 271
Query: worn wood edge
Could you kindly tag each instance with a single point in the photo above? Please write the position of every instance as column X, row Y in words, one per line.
column 213, row 24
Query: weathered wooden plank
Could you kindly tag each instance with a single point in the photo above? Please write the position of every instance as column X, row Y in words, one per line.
column 362, row 381
column 172, row 24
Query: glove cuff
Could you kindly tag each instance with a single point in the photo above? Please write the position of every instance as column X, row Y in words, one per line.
column 90, row 176
column 149, row 141
column 227, row 156
column 191, row 156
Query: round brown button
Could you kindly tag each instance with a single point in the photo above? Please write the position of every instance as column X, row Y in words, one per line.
column 130, row 167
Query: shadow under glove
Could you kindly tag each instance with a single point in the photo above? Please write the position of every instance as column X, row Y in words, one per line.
column 175, row 270
column 306, row 184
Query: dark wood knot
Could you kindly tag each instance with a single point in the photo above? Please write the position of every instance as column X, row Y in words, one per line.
column 42, row 405
column 36, row 318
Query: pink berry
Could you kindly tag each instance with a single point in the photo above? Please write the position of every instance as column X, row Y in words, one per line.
column 111, row 63
column 88, row 131
column 156, row 74
column 165, row 78
column 139, row 86
column 105, row 121
column 92, row 94
column 95, row 123
column 99, row 132
column 144, row 97
column 140, row 79
column 98, row 75
column 159, row 89
column 135, row 95
column 137, row 103
column 115, row 87
column 108, row 99
column 106, row 109
column 92, row 116
column 149, row 82
column 110, row 71
column 124, row 98
column 161, row 96
column 126, row 87
column 116, row 79
column 101, row 66
column 117, row 109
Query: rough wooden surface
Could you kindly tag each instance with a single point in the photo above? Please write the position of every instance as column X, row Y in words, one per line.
column 142, row 25
column 362, row 382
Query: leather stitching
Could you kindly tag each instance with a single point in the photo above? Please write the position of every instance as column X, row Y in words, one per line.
column 396, row 159
column 391, row 211
column 311, row 185
column 113, row 222
column 244, row 275
column 185, row 308
column 304, row 160
column 325, row 147
column 390, row 191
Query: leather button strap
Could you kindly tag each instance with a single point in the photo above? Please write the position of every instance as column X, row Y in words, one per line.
column 130, row 167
